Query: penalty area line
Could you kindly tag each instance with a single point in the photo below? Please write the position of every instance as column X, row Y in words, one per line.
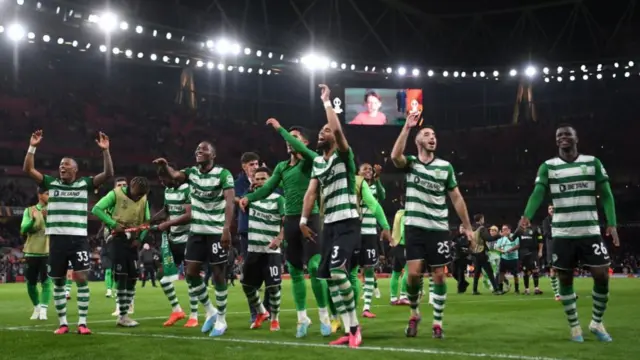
column 314, row 345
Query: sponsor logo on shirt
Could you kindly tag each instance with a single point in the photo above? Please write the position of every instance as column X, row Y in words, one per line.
column 574, row 186
column 66, row 193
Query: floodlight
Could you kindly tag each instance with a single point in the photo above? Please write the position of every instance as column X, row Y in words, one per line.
column 15, row 32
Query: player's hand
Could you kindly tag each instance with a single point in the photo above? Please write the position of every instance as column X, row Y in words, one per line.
column 524, row 223
column 163, row 226
column 307, row 232
column 412, row 120
column 613, row 232
column 119, row 229
column 225, row 239
column 386, row 236
column 102, row 141
column 470, row 235
column 36, row 138
column 34, row 212
column 275, row 124
column 161, row 162
column 243, row 203
column 44, row 212
column 325, row 94
column 377, row 171
column 275, row 243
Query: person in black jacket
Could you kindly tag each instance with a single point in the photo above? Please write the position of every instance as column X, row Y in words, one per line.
column 546, row 234
column 479, row 254
column 461, row 260
column 149, row 257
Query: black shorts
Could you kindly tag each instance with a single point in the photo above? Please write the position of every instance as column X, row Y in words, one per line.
column 399, row 258
column 261, row 268
column 509, row 266
column 299, row 250
column 125, row 257
column 36, row 269
column 587, row 251
column 529, row 262
column 67, row 251
column 369, row 250
column 340, row 241
column 549, row 251
column 106, row 257
column 205, row 249
column 178, row 252
column 428, row 245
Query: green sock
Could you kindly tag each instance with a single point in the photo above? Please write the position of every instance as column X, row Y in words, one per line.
column 108, row 279
column 395, row 277
column 45, row 296
column 318, row 286
column 568, row 299
column 32, row 290
column 439, row 299
column 298, row 287
column 67, row 285
column 355, row 283
column 221, row 297
column 600, row 297
column 555, row 286
column 405, row 276
column 332, row 306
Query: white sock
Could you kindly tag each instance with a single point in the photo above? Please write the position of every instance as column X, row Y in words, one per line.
column 222, row 319
column 302, row 315
column 323, row 313
column 210, row 310
column 261, row 309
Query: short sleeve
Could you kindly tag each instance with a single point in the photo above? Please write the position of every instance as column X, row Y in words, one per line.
column 187, row 172
column 89, row 181
column 601, row 173
column 281, row 205
column 187, row 194
column 411, row 159
column 47, row 180
column 543, row 175
column 452, row 183
column 226, row 179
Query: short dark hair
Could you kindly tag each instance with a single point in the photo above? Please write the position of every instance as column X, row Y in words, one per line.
column 213, row 148
column 565, row 125
column 162, row 171
column 304, row 132
column 249, row 157
column 263, row 169
column 371, row 93
column 478, row 217
column 118, row 179
column 507, row 226
column 141, row 182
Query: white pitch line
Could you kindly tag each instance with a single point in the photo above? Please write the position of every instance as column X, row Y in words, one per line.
column 323, row 346
column 112, row 319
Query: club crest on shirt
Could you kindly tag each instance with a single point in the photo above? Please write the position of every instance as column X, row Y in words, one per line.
column 583, row 168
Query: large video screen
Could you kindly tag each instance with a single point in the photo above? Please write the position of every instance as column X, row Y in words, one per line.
column 380, row 106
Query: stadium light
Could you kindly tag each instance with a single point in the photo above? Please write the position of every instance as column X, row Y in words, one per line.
column 250, row 70
column 74, row 43
column 482, row 74
column 334, row 64
column 353, row 67
column 343, row 66
column 559, row 78
column 560, row 69
column 165, row 59
column 140, row 55
column 455, row 74
column 116, row 51
column 220, row 67
column 270, row 55
column 545, row 70
column 583, row 67
column 445, row 73
column 124, row 26
column 260, row 71
column 530, row 71
column 199, row 63
column 108, row 21
column 210, row 65
column 415, row 72
column 241, row 69
column 585, row 77
column 631, row 63
column 627, row 74
column 616, row 64
column 389, row 70
column 463, row 74
column 315, row 62
column 513, row 72
column 495, row 73
column 599, row 76
column 259, row 53
column 229, row 68
column 154, row 33
column 103, row 48
column 474, row 74
column 128, row 53
column 223, row 46
column 168, row 36
column 60, row 41
column 15, row 32
column 546, row 79
column 139, row 29
column 31, row 36
column 430, row 73
column 572, row 78
column 46, row 38
column 402, row 71
column 20, row 2
column 154, row 57
column 247, row 51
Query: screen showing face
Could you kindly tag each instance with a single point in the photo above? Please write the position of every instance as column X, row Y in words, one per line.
column 380, row 106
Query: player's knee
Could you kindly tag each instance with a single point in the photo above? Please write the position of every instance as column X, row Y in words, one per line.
column 295, row 272
column 80, row 277
column 338, row 275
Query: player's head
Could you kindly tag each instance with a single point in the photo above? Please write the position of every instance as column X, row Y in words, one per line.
column 478, row 218
column 250, row 162
column 261, row 175
column 366, row 171
column 205, row 153
column 373, row 101
column 493, row 231
column 68, row 169
column 326, row 138
column 426, row 139
column 139, row 187
column 120, row 182
column 164, row 177
column 566, row 137
column 43, row 195
column 550, row 209
column 299, row 133
column 506, row 230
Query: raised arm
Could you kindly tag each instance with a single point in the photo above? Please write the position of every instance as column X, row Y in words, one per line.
column 29, row 160
column 179, row 176
column 332, row 119
column 107, row 163
column 297, row 145
column 397, row 153
column 374, row 206
column 100, row 209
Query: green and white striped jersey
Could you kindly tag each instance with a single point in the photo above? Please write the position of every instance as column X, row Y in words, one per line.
column 338, row 179
column 369, row 222
column 265, row 222
column 68, row 205
column 207, row 199
column 573, row 188
column 426, row 195
column 175, row 201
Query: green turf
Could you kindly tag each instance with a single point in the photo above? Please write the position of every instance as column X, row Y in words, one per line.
column 493, row 327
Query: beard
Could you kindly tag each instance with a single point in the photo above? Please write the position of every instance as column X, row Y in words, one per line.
column 324, row 146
